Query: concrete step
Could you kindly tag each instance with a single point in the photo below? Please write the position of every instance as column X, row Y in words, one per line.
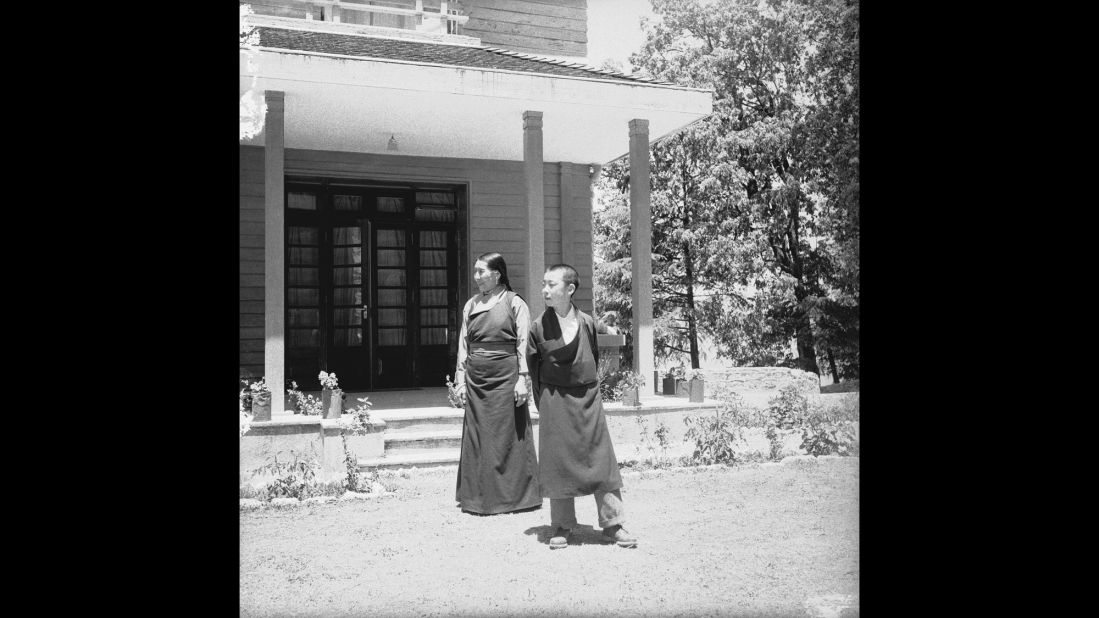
column 427, row 459
column 418, row 420
column 415, row 420
column 449, row 438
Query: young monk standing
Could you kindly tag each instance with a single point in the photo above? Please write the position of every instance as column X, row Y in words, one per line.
column 575, row 453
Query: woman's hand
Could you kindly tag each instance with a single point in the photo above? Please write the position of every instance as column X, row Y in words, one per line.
column 522, row 390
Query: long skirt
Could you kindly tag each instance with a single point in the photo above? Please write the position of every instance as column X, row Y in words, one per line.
column 574, row 443
column 498, row 469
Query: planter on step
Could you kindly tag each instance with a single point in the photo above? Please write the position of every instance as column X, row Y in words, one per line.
column 291, row 405
column 629, row 397
column 697, row 390
column 332, row 402
column 669, row 385
column 680, row 388
column 261, row 406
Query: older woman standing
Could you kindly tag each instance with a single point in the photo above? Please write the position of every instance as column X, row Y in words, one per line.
column 498, row 467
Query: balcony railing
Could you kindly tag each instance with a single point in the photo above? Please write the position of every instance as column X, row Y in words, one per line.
column 445, row 21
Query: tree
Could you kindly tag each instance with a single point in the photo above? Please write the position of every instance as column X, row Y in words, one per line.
column 780, row 185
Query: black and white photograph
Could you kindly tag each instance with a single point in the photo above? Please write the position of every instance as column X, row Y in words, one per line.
column 549, row 308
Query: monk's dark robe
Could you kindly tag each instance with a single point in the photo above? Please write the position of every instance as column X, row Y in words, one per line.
column 574, row 448
column 498, row 469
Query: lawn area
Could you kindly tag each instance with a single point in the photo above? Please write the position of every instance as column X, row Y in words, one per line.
column 749, row 540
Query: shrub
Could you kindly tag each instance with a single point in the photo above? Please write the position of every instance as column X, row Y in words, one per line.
column 660, row 434
column 351, row 462
column 785, row 412
column 788, row 409
column 716, row 435
column 823, row 431
column 828, row 432
column 292, row 479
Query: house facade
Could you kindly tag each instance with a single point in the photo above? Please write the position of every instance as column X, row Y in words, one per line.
column 400, row 141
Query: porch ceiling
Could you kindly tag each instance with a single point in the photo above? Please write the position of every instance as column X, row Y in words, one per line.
column 354, row 104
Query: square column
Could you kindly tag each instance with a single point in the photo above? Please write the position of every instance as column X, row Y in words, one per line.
column 641, row 253
column 274, row 251
column 534, row 176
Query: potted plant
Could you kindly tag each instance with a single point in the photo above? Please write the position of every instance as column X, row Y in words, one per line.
column 631, row 384
column 259, row 397
column 331, row 395
column 672, row 379
column 696, row 385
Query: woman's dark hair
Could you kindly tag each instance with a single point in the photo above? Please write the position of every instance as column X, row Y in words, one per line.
column 496, row 262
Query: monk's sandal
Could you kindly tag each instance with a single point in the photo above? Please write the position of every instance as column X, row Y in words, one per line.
column 560, row 539
column 618, row 535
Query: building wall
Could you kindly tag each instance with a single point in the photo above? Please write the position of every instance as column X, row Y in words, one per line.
column 497, row 219
column 251, row 261
column 551, row 27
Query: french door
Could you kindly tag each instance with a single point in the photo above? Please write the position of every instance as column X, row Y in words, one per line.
column 371, row 285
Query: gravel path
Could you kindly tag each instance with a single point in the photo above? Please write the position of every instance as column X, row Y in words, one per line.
column 752, row 540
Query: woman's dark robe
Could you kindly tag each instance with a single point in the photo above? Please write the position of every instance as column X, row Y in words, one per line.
column 498, row 468
column 574, row 446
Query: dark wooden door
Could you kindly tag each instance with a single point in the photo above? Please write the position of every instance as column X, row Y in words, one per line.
column 371, row 290
column 349, row 351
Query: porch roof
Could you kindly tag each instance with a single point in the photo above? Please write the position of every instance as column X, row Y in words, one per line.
column 474, row 57
column 353, row 92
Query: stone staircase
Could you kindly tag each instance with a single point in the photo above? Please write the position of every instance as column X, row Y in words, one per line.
column 421, row 438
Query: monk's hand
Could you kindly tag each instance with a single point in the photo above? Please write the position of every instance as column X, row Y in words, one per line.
column 522, row 392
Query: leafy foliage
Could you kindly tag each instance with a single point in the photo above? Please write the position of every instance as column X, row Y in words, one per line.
column 452, row 393
column 823, row 432
column 351, row 463
column 305, row 404
column 656, row 444
column 295, row 478
column 755, row 208
column 358, row 420
column 716, row 435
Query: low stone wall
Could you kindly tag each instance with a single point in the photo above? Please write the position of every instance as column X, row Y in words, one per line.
column 304, row 437
column 763, row 379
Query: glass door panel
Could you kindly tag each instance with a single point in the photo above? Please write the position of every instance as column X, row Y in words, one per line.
column 434, row 332
column 392, row 361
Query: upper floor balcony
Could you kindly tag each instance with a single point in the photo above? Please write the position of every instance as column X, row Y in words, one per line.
column 437, row 19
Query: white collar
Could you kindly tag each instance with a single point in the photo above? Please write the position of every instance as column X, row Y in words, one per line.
column 570, row 312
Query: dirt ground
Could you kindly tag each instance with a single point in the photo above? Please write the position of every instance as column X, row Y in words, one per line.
column 751, row 540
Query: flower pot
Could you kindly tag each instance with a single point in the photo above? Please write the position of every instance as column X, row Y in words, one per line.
column 261, row 406
column 629, row 397
column 669, row 385
column 697, row 390
column 291, row 405
column 680, row 388
column 332, row 402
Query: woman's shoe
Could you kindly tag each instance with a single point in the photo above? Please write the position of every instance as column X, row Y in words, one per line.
column 618, row 535
column 560, row 539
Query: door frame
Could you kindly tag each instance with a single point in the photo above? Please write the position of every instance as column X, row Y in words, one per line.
column 369, row 219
